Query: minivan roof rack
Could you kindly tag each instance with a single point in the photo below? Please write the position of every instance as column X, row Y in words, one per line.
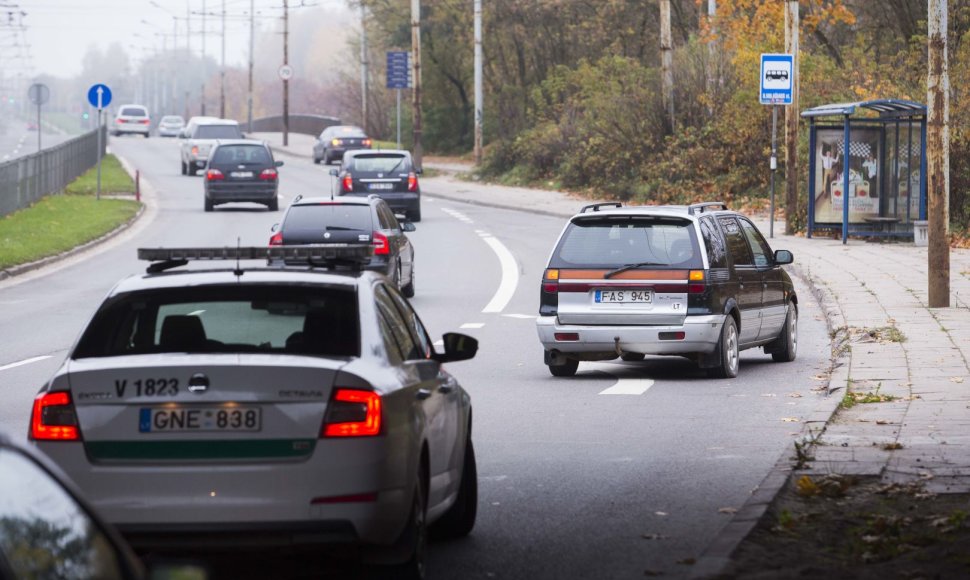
column 597, row 206
column 323, row 256
column 695, row 208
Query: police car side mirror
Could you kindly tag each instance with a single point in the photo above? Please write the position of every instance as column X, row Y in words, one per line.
column 783, row 257
column 334, row 172
column 457, row 347
column 408, row 227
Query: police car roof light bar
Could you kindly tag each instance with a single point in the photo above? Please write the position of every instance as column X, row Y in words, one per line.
column 329, row 254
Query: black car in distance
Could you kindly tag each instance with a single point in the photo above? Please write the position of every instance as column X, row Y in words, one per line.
column 334, row 141
column 242, row 170
column 389, row 174
column 322, row 220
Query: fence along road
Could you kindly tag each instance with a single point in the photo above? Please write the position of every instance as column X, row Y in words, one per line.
column 26, row 179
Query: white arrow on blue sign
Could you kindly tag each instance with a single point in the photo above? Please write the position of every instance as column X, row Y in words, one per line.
column 99, row 96
column 776, row 79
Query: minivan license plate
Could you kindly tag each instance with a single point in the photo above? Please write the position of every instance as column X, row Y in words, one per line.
column 624, row 296
column 380, row 186
column 241, row 174
column 180, row 420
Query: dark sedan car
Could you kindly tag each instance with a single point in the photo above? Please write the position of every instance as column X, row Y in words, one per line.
column 337, row 140
column 321, row 220
column 389, row 174
column 242, row 170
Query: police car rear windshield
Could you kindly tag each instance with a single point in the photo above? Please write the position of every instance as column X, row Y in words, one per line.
column 614, row 241
column 302, row 320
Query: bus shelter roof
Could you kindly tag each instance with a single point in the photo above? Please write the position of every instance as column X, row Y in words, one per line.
column 885, row 108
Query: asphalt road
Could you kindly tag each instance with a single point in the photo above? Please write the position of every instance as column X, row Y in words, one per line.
column 574, row 483
column 16, row 141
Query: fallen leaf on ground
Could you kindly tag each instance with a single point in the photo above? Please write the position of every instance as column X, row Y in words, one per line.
column 882, row 422
column 727, row 510
column 795, row 395
column 821, row 377
column 956, row 379
column 790, row 419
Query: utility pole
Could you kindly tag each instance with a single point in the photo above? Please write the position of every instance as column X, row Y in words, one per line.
column 363, row 66
column 478, row 82
column 793, row 220
column 222, row 67
column 249, row 94
column 416, row 60
column 711, row 55
column 667, row 59
column 286, row 83
column 205, row 65
column 938, row 157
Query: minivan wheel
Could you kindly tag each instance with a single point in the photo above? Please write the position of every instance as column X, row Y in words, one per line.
column 567, row 369
column 727, row 351
column 785, row 347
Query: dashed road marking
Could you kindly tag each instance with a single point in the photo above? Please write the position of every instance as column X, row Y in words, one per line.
column 24, row 362
column 522, row 316
column 472, row 325
column 629, row 387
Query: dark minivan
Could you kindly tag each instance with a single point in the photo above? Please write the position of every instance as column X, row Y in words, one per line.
column 319, row 221
column 389, row 174
column 242, row 170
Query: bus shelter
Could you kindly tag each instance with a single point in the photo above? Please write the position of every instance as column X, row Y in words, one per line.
column 875, row 186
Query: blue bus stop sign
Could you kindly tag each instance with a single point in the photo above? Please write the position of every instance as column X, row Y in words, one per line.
column 99, row 96
column 776, row 79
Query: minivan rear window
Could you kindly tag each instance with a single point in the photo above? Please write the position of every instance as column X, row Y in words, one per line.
column 613, row 241
column 256, row 154
column 380, row 163
column 342, row 216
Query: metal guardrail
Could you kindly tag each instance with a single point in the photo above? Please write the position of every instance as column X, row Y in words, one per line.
column 26, row 179
column 305, row 124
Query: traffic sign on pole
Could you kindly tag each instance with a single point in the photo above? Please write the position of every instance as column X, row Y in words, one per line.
column 776, row 79
column 286, row 72
column 99, row 96
column 399, row 75
column 38, row 94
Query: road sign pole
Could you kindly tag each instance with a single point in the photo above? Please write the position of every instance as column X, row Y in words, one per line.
column 773, row 164
column 98, row 193
column 38, row 128
column 398, row 118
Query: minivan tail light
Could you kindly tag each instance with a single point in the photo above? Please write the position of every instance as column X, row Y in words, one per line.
column 214, row 175
column 348, row 182
column 53, row 418
column 381, row 247
column 268, row 175
column 549, row 296
column 277, row 239
column 352, row 413
column 367, row 142
column 695, row 282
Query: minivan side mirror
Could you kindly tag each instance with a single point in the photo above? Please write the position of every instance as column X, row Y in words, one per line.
column 279, row 164
column 783, row 257
column 418, row 171
column 457, row 347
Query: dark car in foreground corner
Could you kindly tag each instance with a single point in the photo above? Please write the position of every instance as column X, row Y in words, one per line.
column 334, row 141
column 696, row 281
column 322, row 221
column 389, row 174
column 242, row 170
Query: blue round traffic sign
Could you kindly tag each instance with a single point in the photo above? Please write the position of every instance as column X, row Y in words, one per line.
column 99, row 96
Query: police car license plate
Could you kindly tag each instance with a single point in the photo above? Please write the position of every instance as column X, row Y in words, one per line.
column 241, row 174
column 380, row 186
column 624, row 296
column 165, row 420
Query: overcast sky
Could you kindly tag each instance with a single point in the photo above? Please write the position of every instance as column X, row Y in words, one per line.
column 59, row 32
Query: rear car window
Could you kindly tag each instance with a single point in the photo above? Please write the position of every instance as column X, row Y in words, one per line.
column 172, row 120
column 315, row 320
column 612, row 241
column 386, row 163
column 133, row 112
column 330, row 217
column 217, row 132
column 349, row 132
column 242, row 154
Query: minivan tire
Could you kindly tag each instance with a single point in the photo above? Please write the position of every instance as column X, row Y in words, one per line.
column 565, row 370
column 727, row 352
column 785, row 347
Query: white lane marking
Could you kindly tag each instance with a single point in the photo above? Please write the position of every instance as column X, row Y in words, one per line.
column 510, row 277
column 24, row 362
column 629, row 387
column 431, row 199
column 458, row 215
column 472, row 325
column 522, row 316
column 439, row 343
column 493, row 477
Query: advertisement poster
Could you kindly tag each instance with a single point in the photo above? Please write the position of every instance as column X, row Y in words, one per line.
column 864, row 167
column 903, row 163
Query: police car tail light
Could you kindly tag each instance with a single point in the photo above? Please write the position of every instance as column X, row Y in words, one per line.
column 268, row 175
column 381, row 247
column 412, row 181
column 214, row 175
column 54, row 418
column 277, row 239
column 348, row 182
column 353, row 413
column 695, row 282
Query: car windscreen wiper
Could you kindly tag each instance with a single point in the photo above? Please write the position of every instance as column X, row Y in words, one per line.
column 396, row 165
column 622, row 269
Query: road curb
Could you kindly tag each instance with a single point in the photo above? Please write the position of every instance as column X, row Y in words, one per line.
column 716, row 558
column 496, row 205
column 145, row 207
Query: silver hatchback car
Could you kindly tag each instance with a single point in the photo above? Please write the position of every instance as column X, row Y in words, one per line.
column 303, row 406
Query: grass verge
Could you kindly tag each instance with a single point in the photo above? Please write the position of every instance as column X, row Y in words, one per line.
column 58, row 223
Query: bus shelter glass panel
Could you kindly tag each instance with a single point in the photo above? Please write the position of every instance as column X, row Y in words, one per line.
column 865, row 155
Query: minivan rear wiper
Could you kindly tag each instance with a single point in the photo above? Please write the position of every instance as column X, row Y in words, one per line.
column 622, row 269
